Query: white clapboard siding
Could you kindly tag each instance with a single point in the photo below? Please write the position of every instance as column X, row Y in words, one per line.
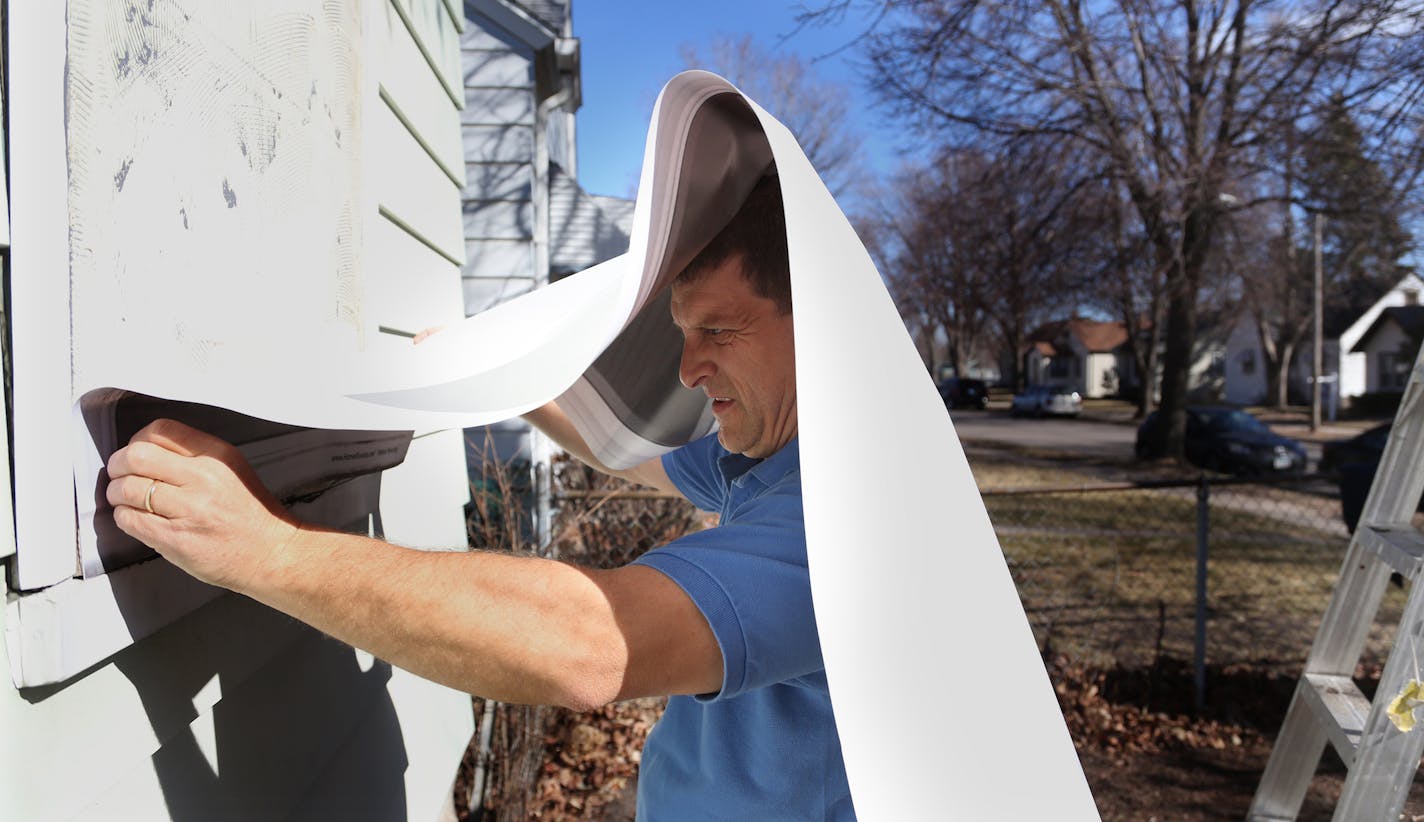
column 437, row 36
column 498, row 220
column 581, row 231
column 498, row 107
column 423, row 498
column 482, row 293
column 411, row 287
column 495, row 259
column 453, row 8
column 119, row 714
column 499, row 181
column 315, row 696
column 223, row 708
column 492, row 68
column 497, row 144
column 482, row 34
column 420, row 100
column 411, row 189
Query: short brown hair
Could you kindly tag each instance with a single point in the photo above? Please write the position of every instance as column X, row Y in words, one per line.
column 757, row 233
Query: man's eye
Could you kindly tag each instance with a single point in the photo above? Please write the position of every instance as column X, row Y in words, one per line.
column 713, row 332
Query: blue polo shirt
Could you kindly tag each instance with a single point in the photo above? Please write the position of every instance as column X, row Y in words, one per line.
column 763, row 747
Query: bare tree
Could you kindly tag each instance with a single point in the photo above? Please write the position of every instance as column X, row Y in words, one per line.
column 985, row 245
column 815, row 109
column 1169, row 96
column 1127, row 284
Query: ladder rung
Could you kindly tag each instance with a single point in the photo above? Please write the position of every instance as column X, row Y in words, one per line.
column 1342, row 708
column 1399, row 544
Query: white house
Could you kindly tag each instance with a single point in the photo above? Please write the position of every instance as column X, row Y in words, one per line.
column 1354, row 366
column 1090, row 356
column 1389, row 347
column 138, row 693
column 1243, row 364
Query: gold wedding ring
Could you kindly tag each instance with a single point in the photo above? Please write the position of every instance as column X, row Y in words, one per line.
column 148, row 498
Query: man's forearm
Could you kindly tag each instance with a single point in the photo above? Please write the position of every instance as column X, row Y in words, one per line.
column 516, row 629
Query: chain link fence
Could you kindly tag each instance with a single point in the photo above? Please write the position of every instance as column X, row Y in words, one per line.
column 541, row 762
column 1206, row 575
column 1215, row 572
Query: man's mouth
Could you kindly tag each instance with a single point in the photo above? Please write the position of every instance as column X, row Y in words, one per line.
column 720, row 404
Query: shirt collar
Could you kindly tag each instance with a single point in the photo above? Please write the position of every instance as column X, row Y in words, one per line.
column 766, row 471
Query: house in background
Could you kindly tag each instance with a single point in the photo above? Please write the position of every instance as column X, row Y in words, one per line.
column 1240, row 373
column 1355, row 366
column 521, row 89
column 1389, row 347
column 1242, row 364
column 1090, row 356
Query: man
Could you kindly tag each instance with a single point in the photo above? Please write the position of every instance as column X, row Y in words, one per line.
column 720, row 620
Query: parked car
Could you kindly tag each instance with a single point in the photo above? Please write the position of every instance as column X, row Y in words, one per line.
column 1232, row 441
column 1355, row 461
column 1364, row 447
column 963, row 392
column 1039, row 400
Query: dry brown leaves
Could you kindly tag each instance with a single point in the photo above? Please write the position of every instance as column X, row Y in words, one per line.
column 1118, row 728
column 592, row 763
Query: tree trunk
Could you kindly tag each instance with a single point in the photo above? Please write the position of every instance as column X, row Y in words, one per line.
column 1149, row 374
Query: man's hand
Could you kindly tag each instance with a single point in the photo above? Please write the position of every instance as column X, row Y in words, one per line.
column 194, row 499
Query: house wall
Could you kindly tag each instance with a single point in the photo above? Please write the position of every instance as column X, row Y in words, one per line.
column 1244, row 365
column 235, row 711
column 1389, row 339
column 1100, row 375
column 1354, row 376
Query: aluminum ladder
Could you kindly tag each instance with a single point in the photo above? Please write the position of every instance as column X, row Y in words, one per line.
column 1327, row 705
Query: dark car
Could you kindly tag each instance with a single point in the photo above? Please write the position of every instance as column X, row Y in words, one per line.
column 962, row 392
column 1231, row 441
column 1365, row 447
column 1355, row 462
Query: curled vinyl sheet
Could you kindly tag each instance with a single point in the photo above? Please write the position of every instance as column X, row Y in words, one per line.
column 914, row 601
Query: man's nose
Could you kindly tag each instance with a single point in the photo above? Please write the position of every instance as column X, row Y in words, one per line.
column 694, row 367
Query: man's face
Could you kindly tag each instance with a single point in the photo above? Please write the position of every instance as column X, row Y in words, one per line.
column 739, row 350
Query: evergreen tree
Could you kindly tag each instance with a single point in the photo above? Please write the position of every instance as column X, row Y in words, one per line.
column 1364, row 237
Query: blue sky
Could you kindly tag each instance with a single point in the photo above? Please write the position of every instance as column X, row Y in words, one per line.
column 630, row 49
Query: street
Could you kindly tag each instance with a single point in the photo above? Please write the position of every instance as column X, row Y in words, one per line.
column 1093, row 437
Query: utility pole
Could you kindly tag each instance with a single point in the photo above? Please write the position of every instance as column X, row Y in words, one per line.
column 1318, row 342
